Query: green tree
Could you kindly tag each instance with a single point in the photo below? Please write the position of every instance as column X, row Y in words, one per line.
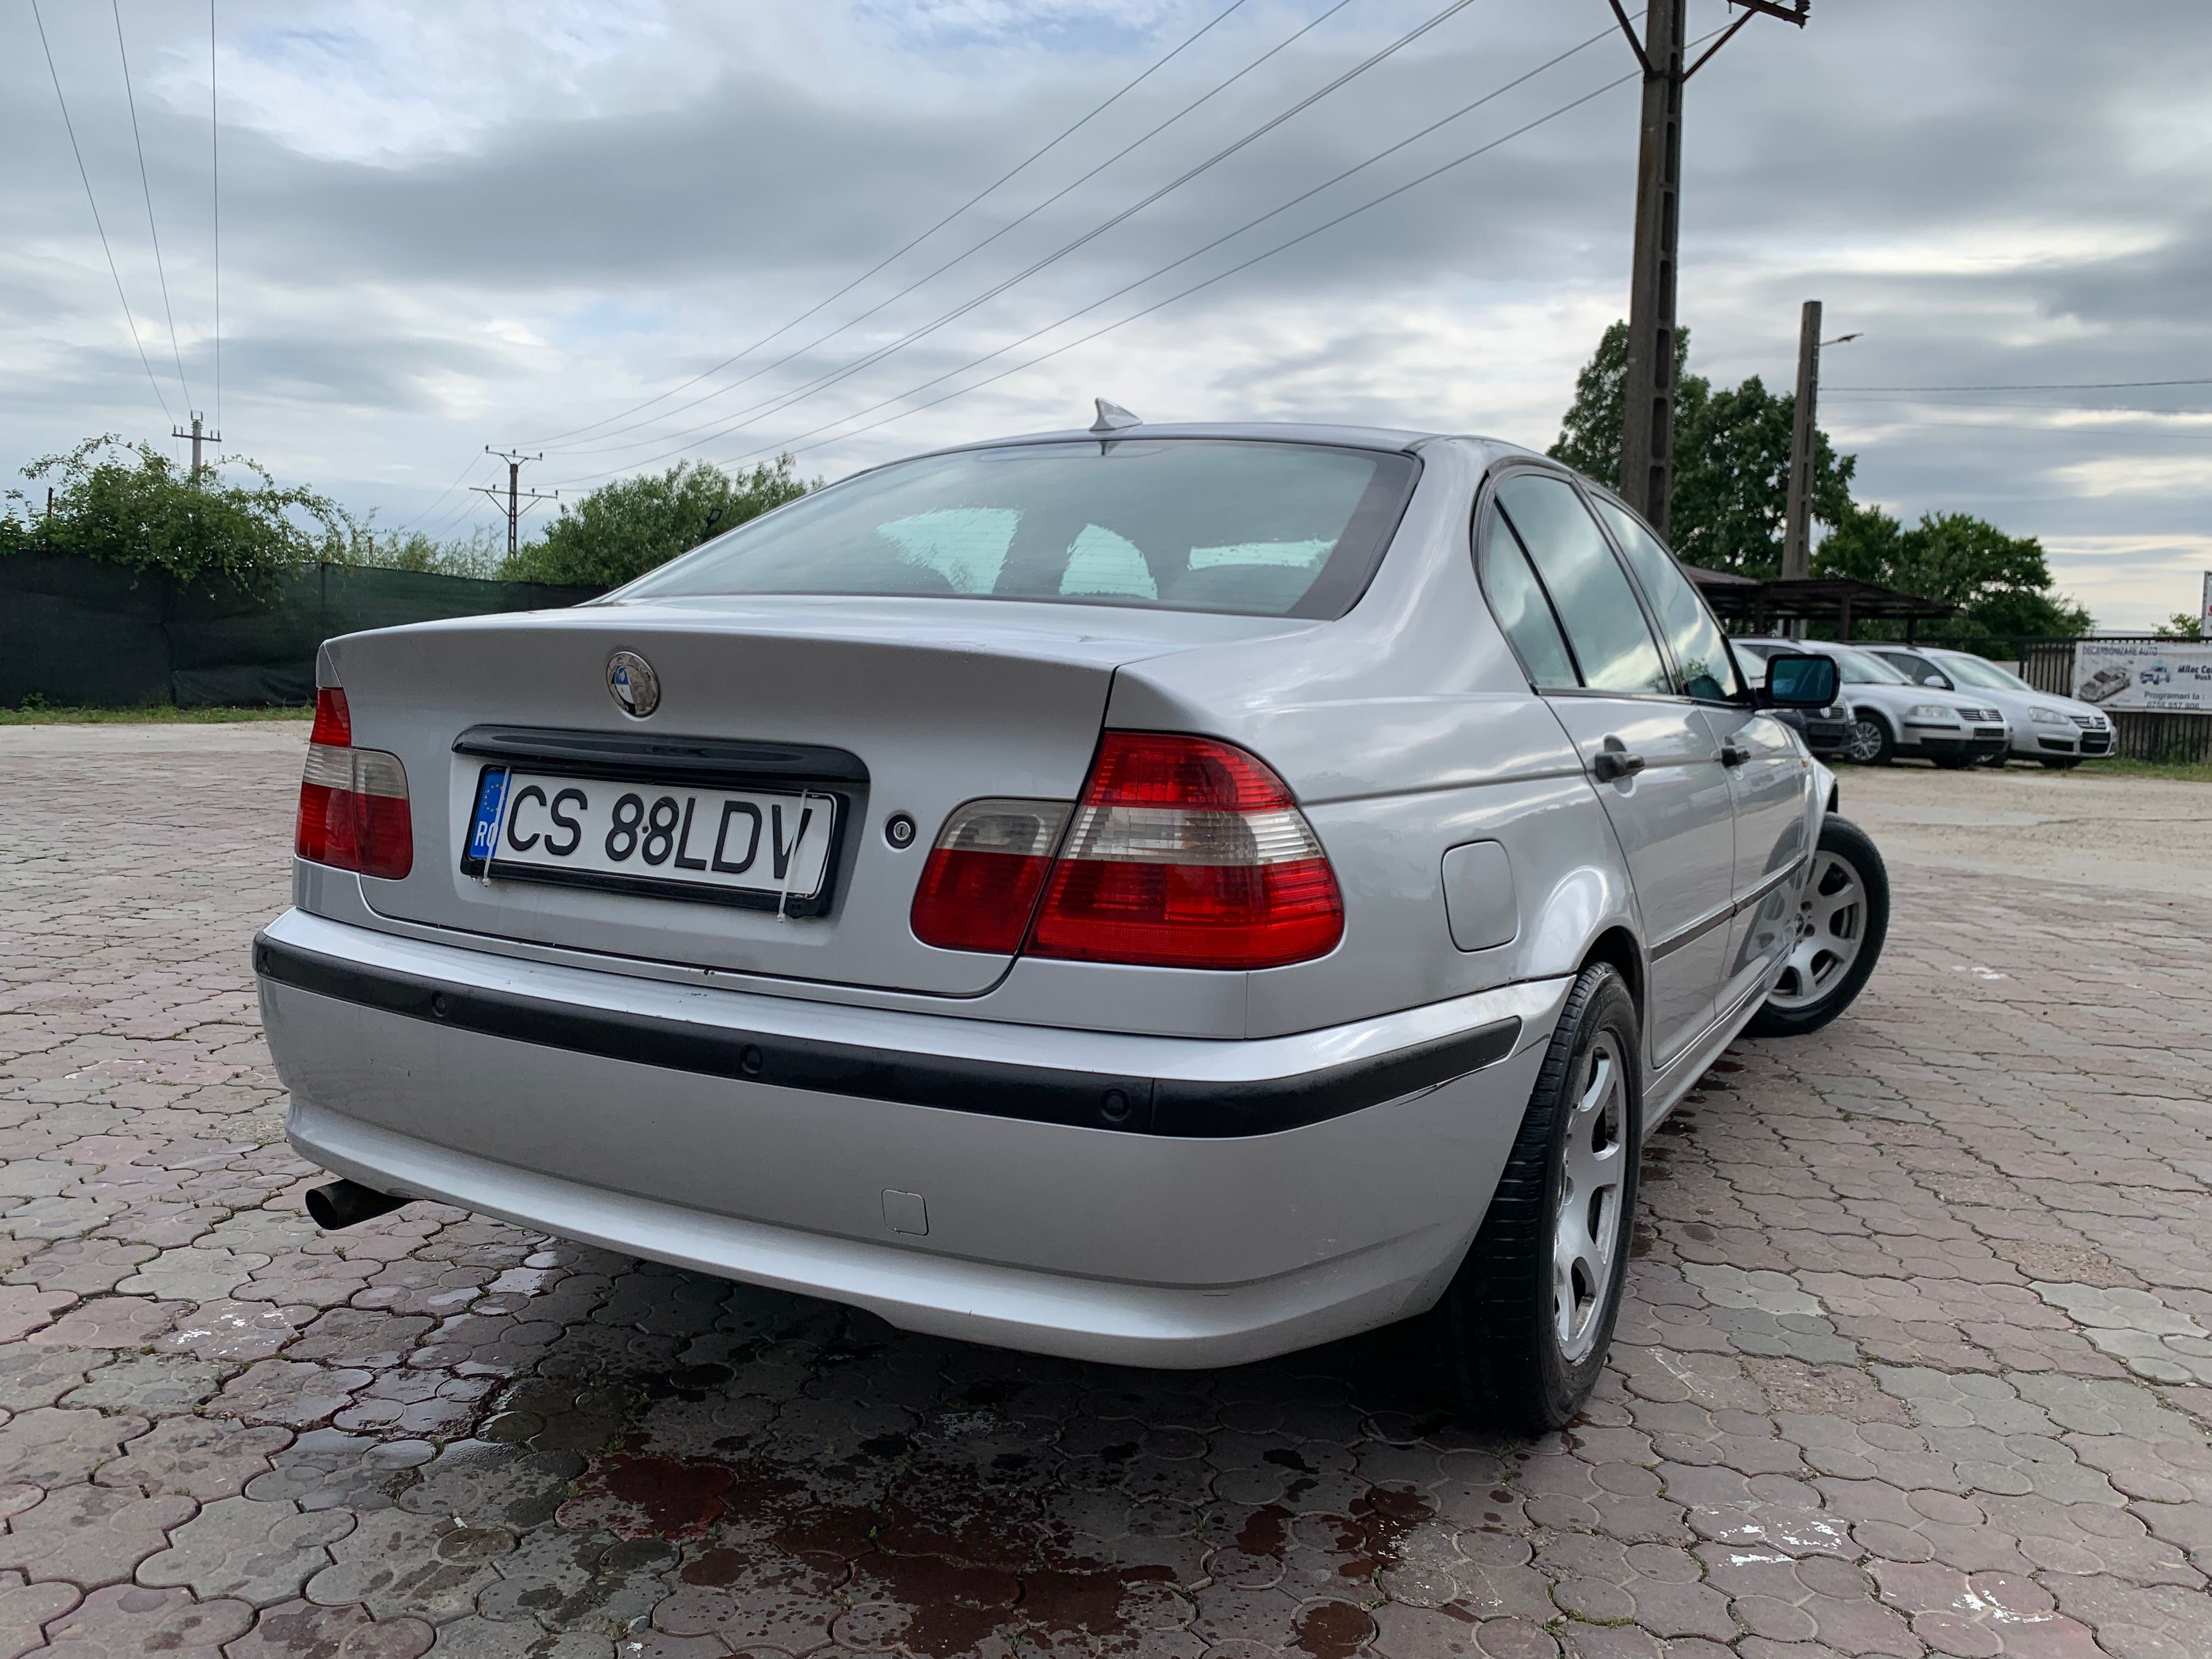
column 1731, row 497
column 623, row 530
column 131, row 505
column 1731, row 486
column 2181, row 626
column 2003, row 583
column 1590, row 433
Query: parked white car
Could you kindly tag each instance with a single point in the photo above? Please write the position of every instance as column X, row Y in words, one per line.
column 2059, row 731
column 1893, row 718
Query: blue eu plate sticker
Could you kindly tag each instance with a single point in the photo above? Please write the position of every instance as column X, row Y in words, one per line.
column 483, row 839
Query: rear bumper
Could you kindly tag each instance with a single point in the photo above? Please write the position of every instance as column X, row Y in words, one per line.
column 1250, row 1198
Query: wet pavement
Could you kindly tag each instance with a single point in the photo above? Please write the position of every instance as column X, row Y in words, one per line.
column 1918, row 1356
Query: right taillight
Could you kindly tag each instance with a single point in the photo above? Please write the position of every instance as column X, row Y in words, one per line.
column 1188, row 853
column 353, row 802
column 1184, row 852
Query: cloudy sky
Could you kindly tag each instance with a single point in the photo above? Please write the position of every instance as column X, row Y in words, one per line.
column 448, row 226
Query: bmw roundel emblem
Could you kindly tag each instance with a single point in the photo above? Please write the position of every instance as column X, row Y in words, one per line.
column 632, row 683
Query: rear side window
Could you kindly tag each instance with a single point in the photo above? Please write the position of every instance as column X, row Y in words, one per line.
column 1589, row 590
column 1518, row 600
column 1256, row 529
column 1700, row 651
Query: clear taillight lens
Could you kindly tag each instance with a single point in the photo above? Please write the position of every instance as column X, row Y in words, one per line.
column 985, row 872
column 353, row 802
column 1188, row 853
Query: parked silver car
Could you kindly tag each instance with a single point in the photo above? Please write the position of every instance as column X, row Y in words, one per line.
column 1893, row 719
column 1167, row 895
column 2059, row 731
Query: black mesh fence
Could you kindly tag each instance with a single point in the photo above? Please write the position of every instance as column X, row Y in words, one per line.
column 76, row 632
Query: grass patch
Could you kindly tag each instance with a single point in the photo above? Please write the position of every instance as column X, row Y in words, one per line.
column 152, row 715
column 2179, row 771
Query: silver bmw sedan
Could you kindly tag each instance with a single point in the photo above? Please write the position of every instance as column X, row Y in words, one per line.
column 1161, row 895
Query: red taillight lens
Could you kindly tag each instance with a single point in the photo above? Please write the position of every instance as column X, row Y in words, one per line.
column 1188, row 853
column 353, row 802
column 984, row 875
column 333, row 721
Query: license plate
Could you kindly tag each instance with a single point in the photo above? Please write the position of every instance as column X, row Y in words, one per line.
column 761, row 846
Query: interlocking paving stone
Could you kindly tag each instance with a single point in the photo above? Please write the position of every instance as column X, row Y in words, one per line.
column 261, row 1552
column 201, row 1457
column 1917, row 1355
column 293, row 1629
column 126, row 1620
column 25, row 1609
column 90, row 1536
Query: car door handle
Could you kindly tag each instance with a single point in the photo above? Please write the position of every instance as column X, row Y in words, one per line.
column 1610, row 765
column 1731, row 755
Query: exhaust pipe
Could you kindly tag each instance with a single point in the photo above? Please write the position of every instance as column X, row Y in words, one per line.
column 343, row 1203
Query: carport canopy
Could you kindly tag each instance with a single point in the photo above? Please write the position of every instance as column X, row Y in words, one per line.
column 1748, row 602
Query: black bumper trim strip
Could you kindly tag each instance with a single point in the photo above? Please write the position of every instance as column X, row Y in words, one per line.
column 1090, row 1100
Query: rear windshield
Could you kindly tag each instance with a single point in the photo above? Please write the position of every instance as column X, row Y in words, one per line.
column 1256, row 529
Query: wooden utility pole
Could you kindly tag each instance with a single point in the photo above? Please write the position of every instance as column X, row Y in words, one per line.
column 515, row 494
column 198, row 435
column 1798, row 530
column 1647, row 424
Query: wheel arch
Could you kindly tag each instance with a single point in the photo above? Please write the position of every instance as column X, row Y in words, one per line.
column 1619, row 947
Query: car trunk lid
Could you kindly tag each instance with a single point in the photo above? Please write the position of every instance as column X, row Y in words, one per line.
column 854, row 710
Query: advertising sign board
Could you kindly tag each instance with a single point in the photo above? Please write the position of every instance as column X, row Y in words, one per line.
column 2169, row 675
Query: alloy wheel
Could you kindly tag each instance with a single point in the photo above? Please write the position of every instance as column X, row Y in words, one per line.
column 1588, row 1223
column 1864, row 744
column 1832, row 920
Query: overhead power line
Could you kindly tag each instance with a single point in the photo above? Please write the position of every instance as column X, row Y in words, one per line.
column 2052, row 385
column 807, row 389
column 474, row 462
column 145, row 184
column 2051, row 431
column 130, row 322
column 1012, row 224
column 1034, row 156
column 1276, row 211
column 800, row 444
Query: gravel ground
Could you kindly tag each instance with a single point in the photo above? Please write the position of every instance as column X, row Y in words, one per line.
column 1918, row 1356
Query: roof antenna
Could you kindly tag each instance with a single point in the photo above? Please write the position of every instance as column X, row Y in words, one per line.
column 1112, row 417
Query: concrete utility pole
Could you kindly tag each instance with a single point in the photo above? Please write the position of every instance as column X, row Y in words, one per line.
column 1797, row 531
column 1647, row 425
column 515, row 494
column 198, row 435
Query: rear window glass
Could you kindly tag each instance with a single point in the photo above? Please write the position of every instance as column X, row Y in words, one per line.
column 1254, row 528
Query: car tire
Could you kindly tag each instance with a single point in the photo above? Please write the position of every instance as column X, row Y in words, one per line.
column 2061, row 763
column 1954, row 763
column 1871, row 743
column 1525, row 1342
column 1845, row 909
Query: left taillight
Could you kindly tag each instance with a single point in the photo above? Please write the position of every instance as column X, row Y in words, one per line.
column 353, row 802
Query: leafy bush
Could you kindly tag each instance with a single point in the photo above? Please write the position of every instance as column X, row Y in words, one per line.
column 479, row 555
column 131, row 505
column 623, row 530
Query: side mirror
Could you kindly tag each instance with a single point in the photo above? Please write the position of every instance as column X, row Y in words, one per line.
column 1801, row 681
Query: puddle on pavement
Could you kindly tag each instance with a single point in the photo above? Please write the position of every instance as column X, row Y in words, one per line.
column 821, row 1472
